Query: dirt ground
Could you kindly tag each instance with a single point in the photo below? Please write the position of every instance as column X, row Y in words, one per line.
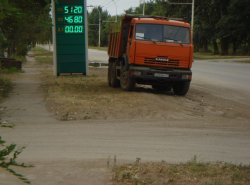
column 70, row 125
column 80, row 98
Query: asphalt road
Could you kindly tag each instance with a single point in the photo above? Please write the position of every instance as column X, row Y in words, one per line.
column 222, row 72
column 230, row 75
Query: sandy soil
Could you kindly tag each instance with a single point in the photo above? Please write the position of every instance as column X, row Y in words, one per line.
column 210, row 121
column 83, row 98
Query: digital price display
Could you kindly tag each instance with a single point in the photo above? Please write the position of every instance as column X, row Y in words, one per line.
column 70, row 20
column 73, row 29
column 73, row 19
column 72, row 9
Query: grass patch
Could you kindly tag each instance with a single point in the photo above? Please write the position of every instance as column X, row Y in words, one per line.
column 88, row 97
column 45, row 60
column 191, row 172
column 19, row 58
column 41, row 52
column 11, row 70
column 99, row 48
column 247, row 62
column 5, row 86
column 209, row 56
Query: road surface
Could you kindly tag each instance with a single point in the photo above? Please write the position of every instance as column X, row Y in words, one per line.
column 222, row 72
column 77, row 152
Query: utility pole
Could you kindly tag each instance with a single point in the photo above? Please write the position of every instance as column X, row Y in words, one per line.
column 115, row 11
column 143, row 7
column 99, row 40
column 99, row 26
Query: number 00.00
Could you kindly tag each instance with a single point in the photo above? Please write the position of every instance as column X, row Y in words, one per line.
column 73, row 29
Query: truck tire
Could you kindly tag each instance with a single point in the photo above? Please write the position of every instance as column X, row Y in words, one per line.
column 109, row 73
column 127, row 82
column 181, row 88
column 114, row 82
column 161, row 87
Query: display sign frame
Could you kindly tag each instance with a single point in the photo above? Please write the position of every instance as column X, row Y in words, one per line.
column 70, row 52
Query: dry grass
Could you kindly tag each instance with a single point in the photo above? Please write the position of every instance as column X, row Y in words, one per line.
column 88, row 97
column 209, row 56
column 45, row 60
column 41, row 52
column 192, row 172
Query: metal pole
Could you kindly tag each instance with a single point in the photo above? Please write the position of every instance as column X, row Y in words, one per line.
column 192, row 25
column 99, row 27
column 86, row 38
column 115, row 11
column 54, row 40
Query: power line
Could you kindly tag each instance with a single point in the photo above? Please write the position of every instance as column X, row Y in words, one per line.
column 107, row 3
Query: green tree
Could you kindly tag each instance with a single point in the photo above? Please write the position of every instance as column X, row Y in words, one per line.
column 235, row 25
column 23, row 22
column 93, row 29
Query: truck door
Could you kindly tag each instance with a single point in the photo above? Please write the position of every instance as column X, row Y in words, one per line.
column 129, row 43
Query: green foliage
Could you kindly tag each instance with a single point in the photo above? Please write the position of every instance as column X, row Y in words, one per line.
column 93, row 23
column 5, row 86
column 23, row 22
column 6, row 164
column 12, row 161
column 222, row 23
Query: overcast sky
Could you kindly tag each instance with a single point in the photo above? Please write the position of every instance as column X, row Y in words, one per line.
column 109, row 5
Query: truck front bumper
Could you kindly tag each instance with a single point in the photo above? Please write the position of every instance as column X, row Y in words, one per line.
column 160, row 74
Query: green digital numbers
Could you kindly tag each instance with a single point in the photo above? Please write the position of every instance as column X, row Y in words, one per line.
column 73, row 19
column 73, row 9
column 73, row 29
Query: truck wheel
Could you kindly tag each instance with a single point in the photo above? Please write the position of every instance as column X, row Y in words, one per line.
column 181, row 88
column 127, row 82
column 161, row 87
column 114, row 82
column 109, row 73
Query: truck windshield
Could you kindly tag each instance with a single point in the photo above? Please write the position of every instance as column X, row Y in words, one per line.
column 162, row 33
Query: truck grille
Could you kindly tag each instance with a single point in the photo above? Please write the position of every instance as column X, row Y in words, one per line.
column 166, row 63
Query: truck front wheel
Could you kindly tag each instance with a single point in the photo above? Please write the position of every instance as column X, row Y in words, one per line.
column 114, row 82
column 127, row 82
column 181, row 88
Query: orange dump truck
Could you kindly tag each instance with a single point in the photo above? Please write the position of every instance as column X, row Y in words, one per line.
column 150, row 50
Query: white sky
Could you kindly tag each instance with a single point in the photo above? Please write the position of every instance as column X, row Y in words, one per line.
column 109, row 5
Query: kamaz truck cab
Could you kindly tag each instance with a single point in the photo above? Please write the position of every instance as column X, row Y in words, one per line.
column 150, row 50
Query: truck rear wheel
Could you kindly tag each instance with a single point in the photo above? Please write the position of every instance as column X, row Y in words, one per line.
column 181, row 88
column 127, row 82
column 114, row 82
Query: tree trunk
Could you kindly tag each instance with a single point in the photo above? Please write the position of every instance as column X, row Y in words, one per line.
column 9, row 52
column 248, row 46
column 205, row 45
column 13, row 50
column 224, row 46
column 201, row 47
column 216, row 49
column 235, row 46
column 1, row 52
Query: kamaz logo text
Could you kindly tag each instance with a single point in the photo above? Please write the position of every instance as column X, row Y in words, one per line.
column 162, row 59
